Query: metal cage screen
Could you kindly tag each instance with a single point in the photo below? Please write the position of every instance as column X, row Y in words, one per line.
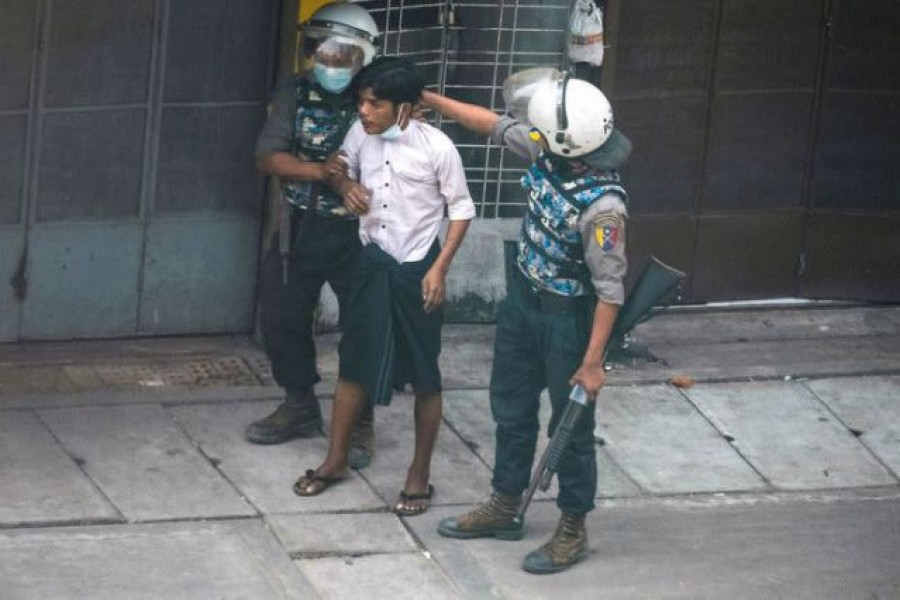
column 466, row 49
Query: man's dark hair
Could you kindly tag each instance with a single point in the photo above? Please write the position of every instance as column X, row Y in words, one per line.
column 397, row 80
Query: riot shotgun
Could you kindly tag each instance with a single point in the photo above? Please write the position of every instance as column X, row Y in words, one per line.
column 653, row 288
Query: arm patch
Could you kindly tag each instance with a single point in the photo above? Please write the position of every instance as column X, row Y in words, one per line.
column 607, row 231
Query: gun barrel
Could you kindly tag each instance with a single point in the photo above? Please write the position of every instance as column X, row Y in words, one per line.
column 550, row 458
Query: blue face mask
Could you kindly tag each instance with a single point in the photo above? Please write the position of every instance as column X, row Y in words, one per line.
column 391, row 133
column 394, row 131
column 333, row 79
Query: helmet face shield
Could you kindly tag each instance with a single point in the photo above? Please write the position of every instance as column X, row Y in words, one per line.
column 338, row 36
column 519, row 88
column 334, row 52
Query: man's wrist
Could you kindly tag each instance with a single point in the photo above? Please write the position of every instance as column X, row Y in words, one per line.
column 442, row 267
column 592, row 363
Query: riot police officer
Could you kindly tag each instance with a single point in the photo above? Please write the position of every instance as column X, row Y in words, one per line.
column 564, row 292
column 318, row 237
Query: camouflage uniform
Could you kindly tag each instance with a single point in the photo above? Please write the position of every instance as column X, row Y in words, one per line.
column 311, row 123
column 570, row 252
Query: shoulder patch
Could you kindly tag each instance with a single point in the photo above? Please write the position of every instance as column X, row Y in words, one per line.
column 607, row 230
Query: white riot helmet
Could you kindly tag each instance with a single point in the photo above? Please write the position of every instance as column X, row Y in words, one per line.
column 339, row 39
column 574, row 117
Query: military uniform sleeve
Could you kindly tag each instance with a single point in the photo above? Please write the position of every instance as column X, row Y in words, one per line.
column 513, row 135
column 278, row 131
column 602, row 228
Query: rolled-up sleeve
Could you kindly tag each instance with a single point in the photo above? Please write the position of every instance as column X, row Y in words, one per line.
column 602, row 229
column 513, row 135
column 278, row 131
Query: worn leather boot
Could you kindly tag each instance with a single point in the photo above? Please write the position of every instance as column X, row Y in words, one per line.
column 298, row 415
column 362, row 439
column 493, row 518
column 567, row 546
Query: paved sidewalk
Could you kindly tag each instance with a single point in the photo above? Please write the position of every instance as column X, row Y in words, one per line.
column 124, row 473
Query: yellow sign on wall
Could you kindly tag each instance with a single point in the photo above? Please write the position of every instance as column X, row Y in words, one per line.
column 308, row 7
column 305, row 10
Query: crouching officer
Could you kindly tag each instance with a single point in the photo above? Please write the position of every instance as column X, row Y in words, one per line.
column 318, row 237
column 563, row 296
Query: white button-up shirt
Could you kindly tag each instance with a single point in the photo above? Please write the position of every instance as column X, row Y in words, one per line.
column 410, row 180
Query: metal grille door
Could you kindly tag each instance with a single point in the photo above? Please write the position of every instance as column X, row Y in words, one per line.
column 467, row 49
column 129, row 202
column 765, row 136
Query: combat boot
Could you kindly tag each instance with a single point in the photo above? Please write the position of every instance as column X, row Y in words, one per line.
column 493, row 518
column 567, row 546
column 362, row 438
column 299, row 415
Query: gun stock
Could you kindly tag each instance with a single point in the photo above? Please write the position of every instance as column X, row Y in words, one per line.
column 655, row 283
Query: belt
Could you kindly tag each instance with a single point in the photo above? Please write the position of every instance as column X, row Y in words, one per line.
column 548, row 302
column 302, row 213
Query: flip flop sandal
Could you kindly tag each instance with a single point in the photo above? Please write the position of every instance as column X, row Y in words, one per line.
column 404, row 511
column 311, row 484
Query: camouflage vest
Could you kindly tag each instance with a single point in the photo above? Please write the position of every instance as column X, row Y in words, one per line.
column 320, row 124
column 550, row 251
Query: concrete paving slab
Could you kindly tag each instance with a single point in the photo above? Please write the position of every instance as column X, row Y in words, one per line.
column 457, row 474
column 783, row 550
column 870, row 406
column 768, row 359
column 467, row 355
column 40, row 482
column 144, row 463
column 237, row 559
column 152, row 395
column 388, row 577
column 265, row 474
column 789, row 436
column 488, row 568
column 468, row 413
column 768, row 324
column 666, row 446
column 349, row 534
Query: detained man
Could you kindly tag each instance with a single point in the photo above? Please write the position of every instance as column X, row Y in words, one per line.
column 403, row 174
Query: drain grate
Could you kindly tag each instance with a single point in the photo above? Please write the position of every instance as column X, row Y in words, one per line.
column 226, row 371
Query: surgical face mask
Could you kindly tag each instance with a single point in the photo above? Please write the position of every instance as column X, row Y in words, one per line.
column 391, row 133
column 394, row 131
column 333, row 79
